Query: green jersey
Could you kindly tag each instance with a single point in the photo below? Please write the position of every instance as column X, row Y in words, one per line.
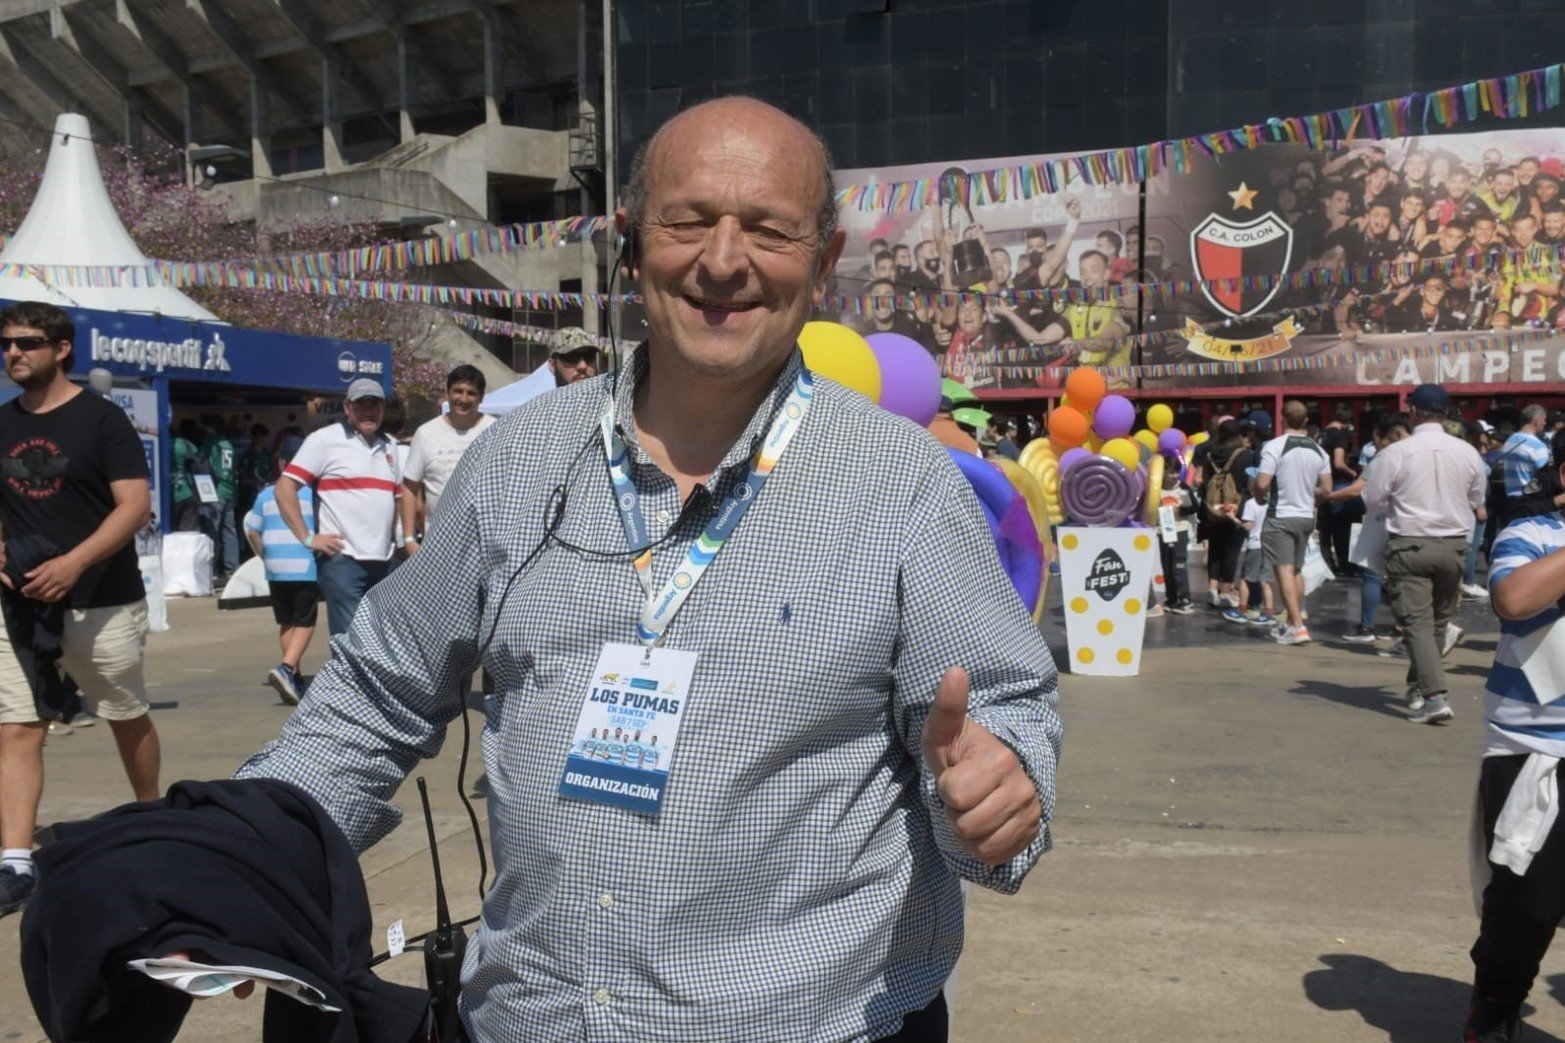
column 220, row 457
column 183, row 487
column 255, row 467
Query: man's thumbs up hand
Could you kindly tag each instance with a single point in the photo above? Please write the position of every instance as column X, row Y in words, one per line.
column 992, row 804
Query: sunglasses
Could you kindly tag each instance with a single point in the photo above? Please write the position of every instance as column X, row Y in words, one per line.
column 25, row 343
column 577, row 357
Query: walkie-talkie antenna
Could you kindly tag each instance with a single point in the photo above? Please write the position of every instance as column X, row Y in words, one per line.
column 442, row 913
column 444, row 947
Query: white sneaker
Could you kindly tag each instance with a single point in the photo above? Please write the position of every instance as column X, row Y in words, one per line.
column 1453, row 634
column 1434, row 711
column 1473, row 590
column 1229, row 601
column 1212, row 598
column 1414, row 697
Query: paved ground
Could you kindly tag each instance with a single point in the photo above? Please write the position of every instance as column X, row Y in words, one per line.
column 1252, row 842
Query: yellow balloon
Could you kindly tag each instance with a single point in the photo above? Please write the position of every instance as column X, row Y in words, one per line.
column 1154, row 500
column 1146, row 438
column 1198, row 438
column 1037, row 508
column 1160, row 418
column 834, row 351
column 1124, row 450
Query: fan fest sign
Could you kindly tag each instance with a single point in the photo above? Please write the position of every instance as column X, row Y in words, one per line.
column 1105, row 586
column 1243, row 217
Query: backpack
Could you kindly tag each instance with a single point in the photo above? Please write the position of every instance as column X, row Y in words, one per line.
column 1221, row 490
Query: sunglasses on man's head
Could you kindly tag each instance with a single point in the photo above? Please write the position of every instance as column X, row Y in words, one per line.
column 24, row 343
column 577, row 357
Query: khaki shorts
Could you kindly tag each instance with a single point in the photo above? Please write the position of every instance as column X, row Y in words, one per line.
column 101, row 650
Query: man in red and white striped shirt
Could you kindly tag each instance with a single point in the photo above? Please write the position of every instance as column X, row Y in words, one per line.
column 353, row 469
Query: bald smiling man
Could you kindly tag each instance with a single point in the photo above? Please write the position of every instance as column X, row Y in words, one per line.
column 849, row 706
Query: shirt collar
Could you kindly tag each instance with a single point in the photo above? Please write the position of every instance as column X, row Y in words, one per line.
column 353, row 435
column 1430, row 425
column 745, row 446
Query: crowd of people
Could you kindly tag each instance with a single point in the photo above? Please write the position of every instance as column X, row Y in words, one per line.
column 329, row 512
column 1456, row 244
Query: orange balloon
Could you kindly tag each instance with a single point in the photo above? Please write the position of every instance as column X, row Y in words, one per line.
column 1086, row 388
column 1068, row 427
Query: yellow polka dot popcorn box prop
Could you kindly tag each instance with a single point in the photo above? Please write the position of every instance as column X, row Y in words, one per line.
column 1105, row 583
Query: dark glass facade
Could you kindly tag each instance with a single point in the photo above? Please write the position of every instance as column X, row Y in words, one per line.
column 902, row 81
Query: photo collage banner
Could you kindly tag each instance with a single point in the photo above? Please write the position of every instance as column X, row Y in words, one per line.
column 1382, row 262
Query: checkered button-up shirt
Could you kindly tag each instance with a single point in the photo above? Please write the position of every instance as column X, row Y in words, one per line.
column 800, row 882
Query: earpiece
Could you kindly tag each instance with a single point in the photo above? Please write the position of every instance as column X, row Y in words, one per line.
column 629, row 255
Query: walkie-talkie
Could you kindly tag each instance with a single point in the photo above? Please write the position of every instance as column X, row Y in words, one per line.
column 444, row 947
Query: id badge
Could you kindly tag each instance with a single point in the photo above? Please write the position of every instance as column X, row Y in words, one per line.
column 623, row 747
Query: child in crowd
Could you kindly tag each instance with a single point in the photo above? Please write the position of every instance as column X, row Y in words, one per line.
column 290, row 575
column 1256, row 583
column 1176, row 568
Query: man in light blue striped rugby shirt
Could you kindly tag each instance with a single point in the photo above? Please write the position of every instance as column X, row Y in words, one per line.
column 855, row 738
column 1518, row 789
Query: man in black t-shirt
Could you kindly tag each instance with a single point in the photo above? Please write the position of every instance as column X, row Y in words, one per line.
column 1336, row 519
column 73, row 494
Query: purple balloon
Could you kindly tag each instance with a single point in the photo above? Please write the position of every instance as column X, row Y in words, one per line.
column 1071, row 457
column 909, row 378
column 1114, row 417
column 1171, row 442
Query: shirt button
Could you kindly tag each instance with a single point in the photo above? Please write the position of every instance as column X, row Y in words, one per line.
column 601, row 997
column 606, row 900
column 663, row 517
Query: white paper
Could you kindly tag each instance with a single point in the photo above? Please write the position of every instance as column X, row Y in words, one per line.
column 1542, row 659
column 1368, row 547
column 206, row 488
column 1167, row 525
column 205, row 979
column 396, row 941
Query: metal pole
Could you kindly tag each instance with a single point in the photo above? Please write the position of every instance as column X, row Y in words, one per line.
column 613, row 312
column 610, row 144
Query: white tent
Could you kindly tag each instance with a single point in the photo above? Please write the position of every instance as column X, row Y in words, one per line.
column 73, row 222
column 502, row 400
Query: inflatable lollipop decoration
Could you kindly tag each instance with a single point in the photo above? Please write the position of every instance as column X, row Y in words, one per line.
column 1071, row 457
column 1038, row 509
column 1156, row 468
column 1038, row 460
column 1015, row 537
column 1101, row 492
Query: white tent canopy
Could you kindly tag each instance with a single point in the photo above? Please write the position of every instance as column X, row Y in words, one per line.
column 502, row 400
column 72, row 222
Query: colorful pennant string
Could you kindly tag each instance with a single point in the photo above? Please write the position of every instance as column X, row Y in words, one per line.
column 1505, row 97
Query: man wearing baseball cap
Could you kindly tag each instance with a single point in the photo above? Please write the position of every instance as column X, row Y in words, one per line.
column 1431, row 489
column 574, row 356
column 353, row 470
